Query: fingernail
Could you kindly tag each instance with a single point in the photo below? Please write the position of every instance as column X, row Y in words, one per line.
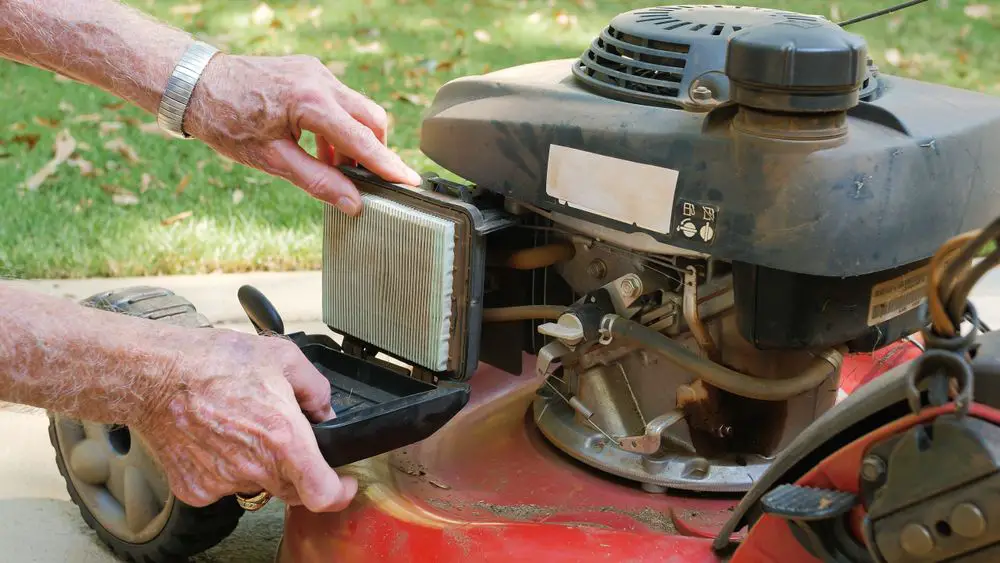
column 348, row 206
column 412, row 178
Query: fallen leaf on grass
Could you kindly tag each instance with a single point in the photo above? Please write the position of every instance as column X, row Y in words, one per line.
column 415, row 99
column 107, row 127
column 114, row 106
column 183, row 184
column 185, row 9
column 214, row 182
column 175, row 218
column 29, row 139
column 145, row 181
column 86, row 118
column 17, row 126
column 121, row 147
column 237, row 196
column 64, row 146
column 978, row 11
column 893, row 56
column 153, row 129
column 365, row 48
column 262, row 15
column 66, row 107
column 119, row 195
column 338, row 68
column 45, row 121
column 85, row 166
column 83, row 204
column 482, row 35
column 61, row 78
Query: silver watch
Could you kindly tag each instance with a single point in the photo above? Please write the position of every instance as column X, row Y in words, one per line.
column 180, row 86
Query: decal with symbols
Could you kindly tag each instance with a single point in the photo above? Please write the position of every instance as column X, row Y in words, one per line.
column 696, row 221
column 897, row 296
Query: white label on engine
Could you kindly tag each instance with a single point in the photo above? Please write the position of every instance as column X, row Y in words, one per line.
column 621, row 190
column 894, row 297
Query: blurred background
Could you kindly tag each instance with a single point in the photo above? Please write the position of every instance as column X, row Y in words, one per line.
column 122, row 200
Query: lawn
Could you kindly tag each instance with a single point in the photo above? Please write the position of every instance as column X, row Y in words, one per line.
column 130, row 202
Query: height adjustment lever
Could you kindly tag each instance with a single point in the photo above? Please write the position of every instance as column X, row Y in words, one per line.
column 817, row 518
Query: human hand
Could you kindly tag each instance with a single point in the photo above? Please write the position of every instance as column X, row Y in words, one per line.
column 229, row 420
column 254, row 109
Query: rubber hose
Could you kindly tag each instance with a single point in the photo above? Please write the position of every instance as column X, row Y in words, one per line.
column 724, row 378
column 541, row 256
column 523, row 313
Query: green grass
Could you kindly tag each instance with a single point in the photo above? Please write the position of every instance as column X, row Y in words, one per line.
column 398, row 52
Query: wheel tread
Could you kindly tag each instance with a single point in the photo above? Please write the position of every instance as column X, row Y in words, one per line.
column 189, row 530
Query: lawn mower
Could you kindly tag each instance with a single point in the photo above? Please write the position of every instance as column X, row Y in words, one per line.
column 701, row 296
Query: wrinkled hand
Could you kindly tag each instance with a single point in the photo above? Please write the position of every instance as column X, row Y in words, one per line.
column 229, row 420
column 254, row 109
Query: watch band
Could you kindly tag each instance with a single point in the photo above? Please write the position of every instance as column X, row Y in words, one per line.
column 180, row 86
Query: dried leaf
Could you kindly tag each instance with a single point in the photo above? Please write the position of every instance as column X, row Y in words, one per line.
column 237, row 196
column 415, row 99
column 175, row 218
column 145, row 181
column 893, row 57
column 61, row 78
column 29, row 139
column 185, row 9
column 338, row 68
column 365, row 48
column 45, row 121
column 125, row 199
column 85, row 166
column 978, row 11
column 107, row 127
column 83, row 204
column 119, row 195
column 121, row 147
column 66, row 107
column 183, row 184
column 63, row 147
column 482, row 35
column 262, row 15
column 17, row 126
column 115, row 106
column 214, row 182
column 86, row 118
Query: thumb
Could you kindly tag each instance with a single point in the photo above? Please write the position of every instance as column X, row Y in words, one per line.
column 318, row 485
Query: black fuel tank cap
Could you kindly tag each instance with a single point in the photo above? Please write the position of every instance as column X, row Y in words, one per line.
column 797, row 65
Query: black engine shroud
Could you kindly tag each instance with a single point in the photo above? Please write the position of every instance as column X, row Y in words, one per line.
column 825, row 177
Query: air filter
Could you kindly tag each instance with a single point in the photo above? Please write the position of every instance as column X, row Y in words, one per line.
column 406, row 276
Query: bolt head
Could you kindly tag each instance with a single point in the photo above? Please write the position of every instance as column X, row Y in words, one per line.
column 597, row 269
column 967, row 520
column 701, row 93
column 915, row 539
column 629, row 287
column 872, row 468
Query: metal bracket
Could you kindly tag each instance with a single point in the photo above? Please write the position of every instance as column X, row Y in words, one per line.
column 656, row 433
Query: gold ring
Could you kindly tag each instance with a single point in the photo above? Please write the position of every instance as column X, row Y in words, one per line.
column 254, row 503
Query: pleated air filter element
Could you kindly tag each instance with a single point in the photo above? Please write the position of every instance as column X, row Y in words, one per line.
column 389, row 280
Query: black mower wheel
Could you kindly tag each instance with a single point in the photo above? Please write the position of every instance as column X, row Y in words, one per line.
column 121, row 491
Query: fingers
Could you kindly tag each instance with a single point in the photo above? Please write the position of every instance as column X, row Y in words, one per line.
column 312, row 391
column 353, row 139
column 320, row 180
column 317, row 484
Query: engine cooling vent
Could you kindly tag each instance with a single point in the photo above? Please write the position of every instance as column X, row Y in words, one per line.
column 672, row 55
column 406, row 276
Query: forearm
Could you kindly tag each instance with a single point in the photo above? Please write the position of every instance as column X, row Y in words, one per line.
column 99, row 42
column 83, row 362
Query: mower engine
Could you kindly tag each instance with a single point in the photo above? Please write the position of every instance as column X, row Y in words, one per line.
column 689, row 227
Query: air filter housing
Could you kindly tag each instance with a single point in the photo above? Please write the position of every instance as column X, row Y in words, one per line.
column 676, row 55
column 406, row 276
